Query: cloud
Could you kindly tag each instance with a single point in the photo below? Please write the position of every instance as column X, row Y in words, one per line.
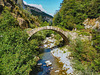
column 36, row 5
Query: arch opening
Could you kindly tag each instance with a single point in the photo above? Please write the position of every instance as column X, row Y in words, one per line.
column 56, row 29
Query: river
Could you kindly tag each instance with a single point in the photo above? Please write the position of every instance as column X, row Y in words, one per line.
column 47, row 70
column 60, row 64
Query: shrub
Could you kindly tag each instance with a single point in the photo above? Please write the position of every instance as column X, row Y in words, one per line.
column 84, row 53
column 16, row 52
column 17, row 55
column 7, row 19
column 79, row 27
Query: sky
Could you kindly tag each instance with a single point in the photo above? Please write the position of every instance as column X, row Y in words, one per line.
column 48, row 6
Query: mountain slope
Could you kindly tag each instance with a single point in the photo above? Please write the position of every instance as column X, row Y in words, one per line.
column 24, row 18
column 35, row 11
column 26, row 15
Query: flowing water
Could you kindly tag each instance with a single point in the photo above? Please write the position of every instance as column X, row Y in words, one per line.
column 47, row 70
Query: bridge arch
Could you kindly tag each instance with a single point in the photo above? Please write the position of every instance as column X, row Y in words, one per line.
column 53, row 28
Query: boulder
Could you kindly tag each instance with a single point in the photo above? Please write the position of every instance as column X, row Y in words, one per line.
column 48, row 63
column 22, row 23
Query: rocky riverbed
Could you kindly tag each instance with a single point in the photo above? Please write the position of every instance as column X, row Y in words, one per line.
column 62, row 55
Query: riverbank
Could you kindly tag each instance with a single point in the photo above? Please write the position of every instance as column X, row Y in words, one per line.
column 62, row 56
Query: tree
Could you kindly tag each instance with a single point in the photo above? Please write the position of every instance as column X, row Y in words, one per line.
column 74, row 12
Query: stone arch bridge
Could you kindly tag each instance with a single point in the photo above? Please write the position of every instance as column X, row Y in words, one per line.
column 53, row 28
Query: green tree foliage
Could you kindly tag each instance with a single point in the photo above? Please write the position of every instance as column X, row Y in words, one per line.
column 57, row 19
column 17, row 55
column 45, row 23
column 96, row 45
column 74, row 12
column 85, row 55
column 7, row 20
column 82, row 51
column 71, row 15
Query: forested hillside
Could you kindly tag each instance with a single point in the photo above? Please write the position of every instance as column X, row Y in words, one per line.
column 17, row 54
column 74, row 12
column 71, row 16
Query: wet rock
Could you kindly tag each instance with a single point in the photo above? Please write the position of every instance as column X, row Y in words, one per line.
column 51, row 68
column 44, row 65
column 39, row 64
column 45, row 46
column 48, row 63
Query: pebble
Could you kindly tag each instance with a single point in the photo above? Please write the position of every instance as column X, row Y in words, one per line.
column 57, row 71
column 51, row 68
column 63, row 73
column 39, row 64
column 44, row 65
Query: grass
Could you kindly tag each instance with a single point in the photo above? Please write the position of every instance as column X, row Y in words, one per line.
column 83, row 33
column 84, row 55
